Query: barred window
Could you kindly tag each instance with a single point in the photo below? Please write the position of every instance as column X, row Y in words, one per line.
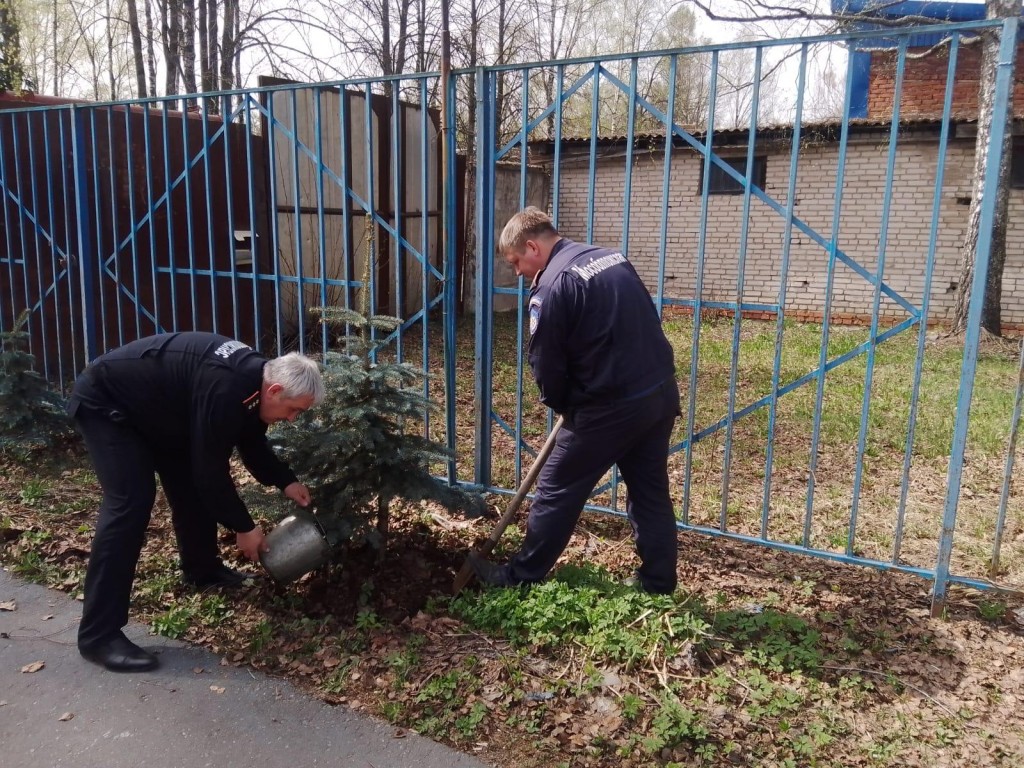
column 721, row 183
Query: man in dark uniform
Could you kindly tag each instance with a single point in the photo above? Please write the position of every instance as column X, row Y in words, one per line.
column 176, row 405
column 602, row 361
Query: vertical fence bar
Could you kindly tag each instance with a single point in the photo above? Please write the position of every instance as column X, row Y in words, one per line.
column 229, row 199
column 85, row 255
column 172, row 273
column 275, row 220
column 204, row 118
column 398, row 189
column 890, row 174
column 318, row 138
column 54, row 263
column 666, row 185
column 69, row 256
column 8, row 254
column 627, row 195
column 425, row 250
column 484, row 275
column 595, row 127
column 780, row 320
column 926, row 291
column 968, row 370
column 103, row 258
column 741, row 272
column 151, row 223
column 187, row 169
column 132, row 226
column 556, row 178
column 627, row 191
column 23, row 239
column 520, row 341
column 348, row 244
column 300, row 256
column 698, row 292
column 370, row 225
column 59, row 265
column 450, row 307
column 1011, row 451
column 826, row 320
column 40, row 287
column 255, row 249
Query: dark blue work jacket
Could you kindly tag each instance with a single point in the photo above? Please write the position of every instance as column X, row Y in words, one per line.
column 595, row 336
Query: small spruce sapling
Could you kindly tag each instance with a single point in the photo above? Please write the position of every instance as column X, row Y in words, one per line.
column 31, row 414
column 360, row 449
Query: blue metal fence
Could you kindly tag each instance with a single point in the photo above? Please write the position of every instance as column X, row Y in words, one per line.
column 242, row 212
column 891, row 305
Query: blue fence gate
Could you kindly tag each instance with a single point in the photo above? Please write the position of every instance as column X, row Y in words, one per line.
column 797, row 253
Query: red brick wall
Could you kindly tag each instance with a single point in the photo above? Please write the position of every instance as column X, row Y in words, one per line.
column 924, row 84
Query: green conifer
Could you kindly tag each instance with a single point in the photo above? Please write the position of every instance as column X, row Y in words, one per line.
column 31, row 414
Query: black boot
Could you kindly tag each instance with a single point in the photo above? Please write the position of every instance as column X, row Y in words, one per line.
column 491, row 574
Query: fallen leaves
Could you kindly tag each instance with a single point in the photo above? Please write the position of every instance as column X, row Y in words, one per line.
column 8, row 605
column 217, row 688
column 66, row 716
column 35, row 666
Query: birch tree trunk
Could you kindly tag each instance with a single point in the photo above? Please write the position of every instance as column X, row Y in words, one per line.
column 188, row 45
column 991, row 308
column 170, row 28
column 150, row 52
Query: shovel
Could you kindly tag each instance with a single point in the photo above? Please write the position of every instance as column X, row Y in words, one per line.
column 464, row 575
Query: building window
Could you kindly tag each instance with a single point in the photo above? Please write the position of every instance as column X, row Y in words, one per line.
column 721, row 183
column 1017, row 165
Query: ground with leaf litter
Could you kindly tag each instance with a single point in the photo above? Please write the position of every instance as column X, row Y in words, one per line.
column 761, row 659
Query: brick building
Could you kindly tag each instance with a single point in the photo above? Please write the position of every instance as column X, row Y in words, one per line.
column 906, row 240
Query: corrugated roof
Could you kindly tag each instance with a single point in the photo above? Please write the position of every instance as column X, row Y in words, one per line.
column 822, row 128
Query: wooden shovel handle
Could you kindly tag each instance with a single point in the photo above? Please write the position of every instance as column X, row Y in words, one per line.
column 466, row 572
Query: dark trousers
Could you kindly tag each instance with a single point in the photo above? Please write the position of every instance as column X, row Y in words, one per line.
column 633, row 434
column 125, row 463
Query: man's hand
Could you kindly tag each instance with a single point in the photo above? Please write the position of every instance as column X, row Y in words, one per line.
column 252, row 543
column 298, row 493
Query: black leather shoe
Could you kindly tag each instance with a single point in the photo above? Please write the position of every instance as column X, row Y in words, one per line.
column 221, row 576
column 491, row 574
column 119, row 654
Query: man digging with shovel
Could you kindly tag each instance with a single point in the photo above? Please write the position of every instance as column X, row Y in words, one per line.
column 602, row 361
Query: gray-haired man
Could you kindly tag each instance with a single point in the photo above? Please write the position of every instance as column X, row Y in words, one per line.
column 176, row 405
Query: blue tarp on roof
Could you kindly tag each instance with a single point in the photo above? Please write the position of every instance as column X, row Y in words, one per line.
column 860, row 58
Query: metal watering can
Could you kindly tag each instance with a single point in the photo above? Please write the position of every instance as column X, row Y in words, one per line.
column 298, row 545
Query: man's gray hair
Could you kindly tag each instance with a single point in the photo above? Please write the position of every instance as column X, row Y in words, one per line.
column 528, row 224
column 297, row 374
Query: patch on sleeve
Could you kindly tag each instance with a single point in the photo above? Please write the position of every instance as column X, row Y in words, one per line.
column 534, row 314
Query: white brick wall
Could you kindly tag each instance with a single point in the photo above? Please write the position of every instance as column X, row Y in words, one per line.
column 859, row 227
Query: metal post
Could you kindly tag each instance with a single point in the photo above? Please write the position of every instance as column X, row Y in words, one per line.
column 484, row 277
column 1004, row 68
